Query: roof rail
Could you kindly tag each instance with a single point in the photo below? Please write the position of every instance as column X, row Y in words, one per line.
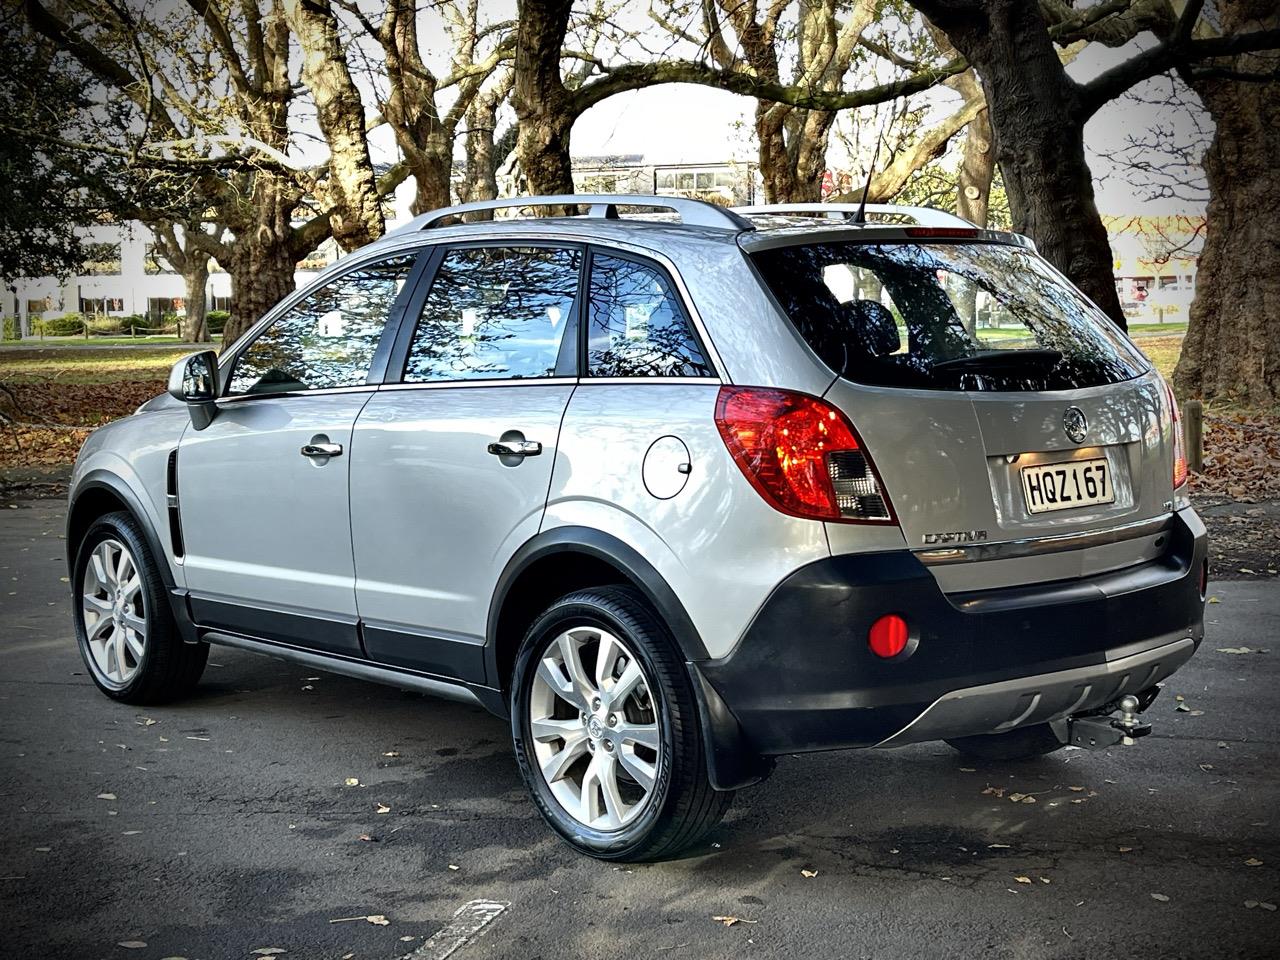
column 923, row 216
column 696, row 213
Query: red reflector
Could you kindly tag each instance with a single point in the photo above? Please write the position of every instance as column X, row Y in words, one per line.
column 888, row 636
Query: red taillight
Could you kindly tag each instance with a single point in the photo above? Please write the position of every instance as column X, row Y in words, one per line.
column 1179, row 451
column 801, row 455
column 888, row 636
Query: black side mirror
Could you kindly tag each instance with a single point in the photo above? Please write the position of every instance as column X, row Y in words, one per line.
column 194, row 381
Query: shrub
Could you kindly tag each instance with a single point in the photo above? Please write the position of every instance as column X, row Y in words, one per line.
column 105, row 326
column 67, row 325
column 216, row 320
column 10, row 328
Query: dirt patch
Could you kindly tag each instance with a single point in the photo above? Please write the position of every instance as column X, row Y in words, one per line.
column 1244, row 538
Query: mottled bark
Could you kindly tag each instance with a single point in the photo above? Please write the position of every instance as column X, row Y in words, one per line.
column 349, row 190
column 977, row 169
column 544, row 106
column 1037, row 115
column 480, row 178
column 1232, row 347
column 195, row 276
column 261, row 276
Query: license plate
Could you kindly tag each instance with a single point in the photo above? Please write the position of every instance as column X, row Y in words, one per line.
column 1063, row 486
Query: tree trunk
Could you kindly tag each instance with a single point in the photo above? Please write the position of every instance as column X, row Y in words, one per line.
column 480, row 181
column 1038, row 122
column 544, row 107
column 431, row 163
column 977, row 167
column 261, row 276
column 195, row 328
column 1232, row 347
column 350, row 190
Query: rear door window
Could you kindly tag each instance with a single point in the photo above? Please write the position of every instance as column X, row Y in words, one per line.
column 637, row 326
column 496, row 313
column 946, row 316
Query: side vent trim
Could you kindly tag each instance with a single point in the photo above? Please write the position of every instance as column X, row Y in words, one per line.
column 171, row 499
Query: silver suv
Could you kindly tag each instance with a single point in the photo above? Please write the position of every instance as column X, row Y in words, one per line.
column 676, row 493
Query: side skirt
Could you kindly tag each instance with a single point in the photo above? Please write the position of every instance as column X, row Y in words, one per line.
column 405, row 680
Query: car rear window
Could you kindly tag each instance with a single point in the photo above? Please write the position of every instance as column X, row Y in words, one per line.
column 946, row 316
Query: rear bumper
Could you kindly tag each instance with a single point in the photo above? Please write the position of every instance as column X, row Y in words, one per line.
column 802, row 677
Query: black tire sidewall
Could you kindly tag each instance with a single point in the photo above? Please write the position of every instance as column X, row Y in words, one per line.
column 119, row 526
column 578, row 611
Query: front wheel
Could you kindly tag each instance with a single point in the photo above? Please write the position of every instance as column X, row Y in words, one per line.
column 606, row 729
column 126, row 631
column 1024, row 743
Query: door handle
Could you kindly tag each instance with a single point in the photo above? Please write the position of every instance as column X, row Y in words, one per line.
column 322, row 450
column 515, row 448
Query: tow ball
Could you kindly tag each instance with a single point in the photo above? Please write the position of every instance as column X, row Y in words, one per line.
column 1116, row 723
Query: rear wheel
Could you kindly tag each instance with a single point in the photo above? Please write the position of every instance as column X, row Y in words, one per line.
column 606, row 729
column 1024, row 743
column 124, row 626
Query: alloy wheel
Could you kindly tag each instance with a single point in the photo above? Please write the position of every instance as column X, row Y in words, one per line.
column 594, row 727
column 115, row 618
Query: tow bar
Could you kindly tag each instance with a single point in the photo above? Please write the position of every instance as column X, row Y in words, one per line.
column 1116, row 723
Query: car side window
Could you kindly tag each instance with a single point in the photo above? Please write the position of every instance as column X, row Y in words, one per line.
column 326, row 340
column 495, row 313
column 638, row 327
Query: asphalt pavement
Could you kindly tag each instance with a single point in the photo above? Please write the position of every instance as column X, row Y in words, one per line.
column 280, row 808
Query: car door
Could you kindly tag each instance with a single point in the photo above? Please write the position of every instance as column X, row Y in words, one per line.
column 453, row 462
column 264, row 488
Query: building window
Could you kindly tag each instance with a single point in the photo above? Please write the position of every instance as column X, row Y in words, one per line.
column 102, row 260
column 220, row 303
column 100, row 306
column 43, row 305
column 160, row 307
column 154, row 264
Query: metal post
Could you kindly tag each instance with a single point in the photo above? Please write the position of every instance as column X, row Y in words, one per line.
column 1193, row 434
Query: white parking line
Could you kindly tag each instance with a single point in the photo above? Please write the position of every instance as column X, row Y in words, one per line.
column 471, row 918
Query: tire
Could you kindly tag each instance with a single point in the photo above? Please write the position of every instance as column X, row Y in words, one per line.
column 680, row 806
column 148, row 666
column 1025, row 743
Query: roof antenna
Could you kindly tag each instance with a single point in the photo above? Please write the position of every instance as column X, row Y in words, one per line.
column 861, row 215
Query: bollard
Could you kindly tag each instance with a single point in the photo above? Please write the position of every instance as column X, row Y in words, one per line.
column 1193, row 434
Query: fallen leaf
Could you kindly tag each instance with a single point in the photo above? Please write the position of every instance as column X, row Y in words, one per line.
column 1267, row 906
column 1182, row 707
column 1045, row 880
column 377, row 919
column 1022, row 879
column 808, row 874
column 1236, row 650
column 730, row 921
column 268, row 951
column 106, row 796
column 132, row 944
column 997, row 846
column 353, row 781
column 1076, row 789
column 1253, row 862
column 1250, row 904
column 993, row 791
column 392, row 753
column 366, row 838
column 968, row 770
column 1214, row 600
column 383, row 808
column 454, row 866
column 1016, row 797
column 1126, row 849
column 1179, row 697
column 1160, row 896
column 1197, row 713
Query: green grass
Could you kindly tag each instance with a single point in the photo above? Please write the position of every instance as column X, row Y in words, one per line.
column 73, row 342
column 69, row 365
column 1169, row 329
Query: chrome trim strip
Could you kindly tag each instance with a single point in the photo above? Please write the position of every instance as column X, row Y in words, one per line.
column 604, row 381
column 963, row 712
column 348, row 668
column 1035, row 546
column 507, row 382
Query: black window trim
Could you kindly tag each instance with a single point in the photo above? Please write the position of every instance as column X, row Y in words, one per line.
column 381, row 353
column 567, row 361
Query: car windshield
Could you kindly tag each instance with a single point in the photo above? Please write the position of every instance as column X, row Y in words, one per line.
column 946, row 316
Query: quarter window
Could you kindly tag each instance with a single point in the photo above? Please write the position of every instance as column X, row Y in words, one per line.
column 495, row 313
column 638, row 327
column 328, row 339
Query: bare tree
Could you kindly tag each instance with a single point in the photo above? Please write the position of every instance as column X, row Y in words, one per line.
column 1038, row 112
